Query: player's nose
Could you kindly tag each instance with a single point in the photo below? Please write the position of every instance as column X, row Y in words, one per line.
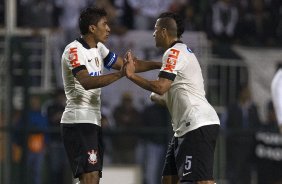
column 108, row 29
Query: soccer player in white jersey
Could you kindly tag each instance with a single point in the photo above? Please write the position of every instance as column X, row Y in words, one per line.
column 82, row 67
column 195, row 123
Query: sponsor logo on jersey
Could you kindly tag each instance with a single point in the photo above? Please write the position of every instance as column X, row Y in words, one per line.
column 95, row 73
column 171, row 60
column 92, row 159
column 73, row 57
column 89, row 60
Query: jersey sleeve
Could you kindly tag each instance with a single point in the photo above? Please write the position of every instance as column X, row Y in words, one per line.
column 171, row 64
column 74, row 59
column 109, row 57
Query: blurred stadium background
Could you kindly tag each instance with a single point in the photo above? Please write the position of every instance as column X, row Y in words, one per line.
column 238, row 44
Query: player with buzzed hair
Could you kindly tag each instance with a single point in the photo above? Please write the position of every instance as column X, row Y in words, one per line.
column 180, row 87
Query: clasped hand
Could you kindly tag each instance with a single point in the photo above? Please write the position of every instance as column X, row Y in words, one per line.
column 128, row 67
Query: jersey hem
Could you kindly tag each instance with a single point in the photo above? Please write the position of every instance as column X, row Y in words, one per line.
column 195, row 127
column 78, row 122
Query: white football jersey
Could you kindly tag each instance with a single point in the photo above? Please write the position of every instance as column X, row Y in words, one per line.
column 83, row 106
column 186, row 99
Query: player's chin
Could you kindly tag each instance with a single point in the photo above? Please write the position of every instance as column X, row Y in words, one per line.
column 104, row 40
column 157, row 44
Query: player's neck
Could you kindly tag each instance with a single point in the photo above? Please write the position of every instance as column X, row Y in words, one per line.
column 170, row 42
column 90, row 41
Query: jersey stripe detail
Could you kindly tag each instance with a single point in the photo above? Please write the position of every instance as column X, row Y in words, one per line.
column 166, row 75
column 77, row 69
column 110, row 60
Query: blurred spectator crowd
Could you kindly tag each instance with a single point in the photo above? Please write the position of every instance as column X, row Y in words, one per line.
column 247, row 22
column 140, row 136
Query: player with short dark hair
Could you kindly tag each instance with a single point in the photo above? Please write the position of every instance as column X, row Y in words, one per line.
column 180, row 86
column 82, row 67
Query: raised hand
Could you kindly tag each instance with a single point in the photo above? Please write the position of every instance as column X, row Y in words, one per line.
column 125, row 61
column 129, row 64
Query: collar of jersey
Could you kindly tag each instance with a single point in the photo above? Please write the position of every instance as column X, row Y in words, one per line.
column 173, row 43
column 83, row 43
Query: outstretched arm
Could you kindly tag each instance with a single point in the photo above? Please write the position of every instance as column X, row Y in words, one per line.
column 159, row 86
column 140, row 65
column 93, row 82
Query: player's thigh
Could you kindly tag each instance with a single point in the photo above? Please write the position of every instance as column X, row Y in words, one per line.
column 205, row 182
column 195, row 154
column 84, row 147
column 170, row 165
column 90, row 178
column 172, row 179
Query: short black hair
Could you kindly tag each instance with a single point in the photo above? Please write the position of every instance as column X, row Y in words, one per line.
column 90, row 16
column 178, row 20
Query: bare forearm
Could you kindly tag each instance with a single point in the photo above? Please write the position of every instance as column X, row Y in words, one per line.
column 143, row 66
column 159, row 86
column 100, row 81
column 145, row 84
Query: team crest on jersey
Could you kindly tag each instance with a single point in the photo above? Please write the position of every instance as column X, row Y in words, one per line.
column 97, row 61
column 92, row 157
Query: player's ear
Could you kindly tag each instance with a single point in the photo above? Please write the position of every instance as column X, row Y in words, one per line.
column 164, row 32
column 92, row 28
